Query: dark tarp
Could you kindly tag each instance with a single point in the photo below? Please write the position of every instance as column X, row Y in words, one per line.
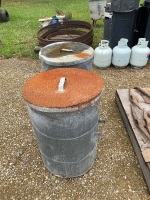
column 123, row 26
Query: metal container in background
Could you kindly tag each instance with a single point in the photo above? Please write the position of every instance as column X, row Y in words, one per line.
column 97, row 9
column 66, row 54
column 140, row 54
column 124, row 5
column 103, row 55
column 63, row 106
column 123, row 26
column 121, row 54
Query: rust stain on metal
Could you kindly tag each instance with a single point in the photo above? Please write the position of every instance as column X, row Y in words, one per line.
column 82, row 55
column 57, row 52
column 81, row 87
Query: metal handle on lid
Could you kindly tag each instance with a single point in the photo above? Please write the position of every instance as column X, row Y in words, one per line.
column 66, row 50
column 61, row 84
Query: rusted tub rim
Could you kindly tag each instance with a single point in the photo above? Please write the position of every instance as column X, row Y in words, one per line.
column 42, row 37
column 68, row 109
column 66, row 63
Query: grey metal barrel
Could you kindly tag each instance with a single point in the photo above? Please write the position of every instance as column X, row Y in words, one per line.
column 66, row 54
column 65, row 117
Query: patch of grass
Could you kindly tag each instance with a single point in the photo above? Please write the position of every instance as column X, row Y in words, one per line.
column 19, row 35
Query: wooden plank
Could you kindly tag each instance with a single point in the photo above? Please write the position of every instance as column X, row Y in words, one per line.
column 146, row 154
column 145, row 166
column 142, row 139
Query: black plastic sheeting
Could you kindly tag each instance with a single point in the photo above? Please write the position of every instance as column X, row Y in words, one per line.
column 124, row 5
column 123, row 26
column 147, row 32
column 142, row 29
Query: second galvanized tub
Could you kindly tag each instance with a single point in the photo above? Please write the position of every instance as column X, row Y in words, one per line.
column 65, row 114
column 66, row 54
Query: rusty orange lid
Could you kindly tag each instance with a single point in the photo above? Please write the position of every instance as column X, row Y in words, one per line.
column 62, row 88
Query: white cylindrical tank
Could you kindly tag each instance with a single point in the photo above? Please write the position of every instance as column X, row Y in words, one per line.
column 103, row 55
column 121, row 54
column 140, row 54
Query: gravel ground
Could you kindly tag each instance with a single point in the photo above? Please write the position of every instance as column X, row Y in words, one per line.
column 116, row 173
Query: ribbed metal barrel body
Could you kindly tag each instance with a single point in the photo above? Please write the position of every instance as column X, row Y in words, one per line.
column 67, row 138
column 63, row 106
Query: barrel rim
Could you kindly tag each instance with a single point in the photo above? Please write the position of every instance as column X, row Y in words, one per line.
column 68, row 109
column 48, row 61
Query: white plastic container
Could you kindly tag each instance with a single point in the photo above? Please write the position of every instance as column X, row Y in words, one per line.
column 121, row 54
column 103, row 55
column 140, row 54
column 97, row 9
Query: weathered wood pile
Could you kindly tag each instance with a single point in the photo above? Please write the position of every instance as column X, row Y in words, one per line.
column 140, row 108
column 134, row 105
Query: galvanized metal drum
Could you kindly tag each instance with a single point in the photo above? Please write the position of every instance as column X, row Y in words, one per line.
column 66, row 54
column 63, row 106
